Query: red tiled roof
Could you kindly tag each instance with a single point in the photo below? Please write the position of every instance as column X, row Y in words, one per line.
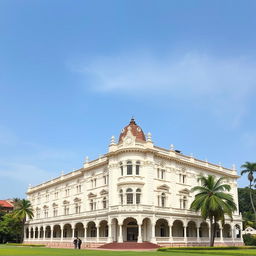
column 5, row 204
column 135, row 130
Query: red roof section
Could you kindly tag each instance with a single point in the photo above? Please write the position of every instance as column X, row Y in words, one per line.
column 135, row 130
column 5, row 204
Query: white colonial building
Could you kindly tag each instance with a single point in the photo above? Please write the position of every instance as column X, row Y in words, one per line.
column 135, row 192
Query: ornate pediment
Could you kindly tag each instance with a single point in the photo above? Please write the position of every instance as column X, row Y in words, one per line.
column 163, row 187
column 91, row 195
column 103, row 192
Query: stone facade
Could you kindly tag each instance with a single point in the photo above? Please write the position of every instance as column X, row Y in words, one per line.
column 135, row 192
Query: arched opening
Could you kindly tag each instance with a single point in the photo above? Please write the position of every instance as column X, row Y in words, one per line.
column 138, row 195
column 48, row 232
column 91, row 229
column 27, row 233
column 130, row 230
column 129, row 167
column 146, row 229
column 36, row 232
column 217, row 230
column 162, row 228
column 56, row 231
column 227, row 231
column 191, row 229
column 177, row 229
column 103, row 230
column 67, row 231
column 79, row 230
column 204, row 230
column 237, row 231
column 41, row 233
column 31, row 233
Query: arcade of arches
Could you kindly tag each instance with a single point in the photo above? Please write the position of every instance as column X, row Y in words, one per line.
column 130, row 229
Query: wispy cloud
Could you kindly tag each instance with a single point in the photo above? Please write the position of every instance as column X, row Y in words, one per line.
column 23, row 173
column 223, row 83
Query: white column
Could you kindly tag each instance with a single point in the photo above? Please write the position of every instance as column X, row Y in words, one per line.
column 185, row 234
column 120, row 237
column 110, row 239
column 43, row 233
column 98, row 233
column 73, row 233
column 61, row 233
column 29, row 234
column 170, row 233
column 198, row 234
column 139, row 234
column 51, row 233
column 153, row 233
column 221, row 234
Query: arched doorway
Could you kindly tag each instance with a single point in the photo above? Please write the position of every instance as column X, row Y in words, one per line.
column 56, row 231
column 79, row 230
column 103, row 230
column 237, row 231
column 162, row 228
column 67, row 231
column 177, row 229
column 191, row 229
column 204, row 229
column 130, row 230
column 91, row 229
column 227, row 231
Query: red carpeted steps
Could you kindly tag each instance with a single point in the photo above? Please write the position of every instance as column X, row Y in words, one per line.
column 130, row 246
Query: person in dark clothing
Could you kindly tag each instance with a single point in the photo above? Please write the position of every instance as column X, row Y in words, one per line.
column 79, row 242
column 75, row 243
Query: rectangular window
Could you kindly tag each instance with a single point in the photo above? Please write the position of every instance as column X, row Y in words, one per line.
column 105, row 180
column 158, row 173
column 162, row 174
column 78, row 189
column 129, row 169
column 56, row 195
column 129, row 198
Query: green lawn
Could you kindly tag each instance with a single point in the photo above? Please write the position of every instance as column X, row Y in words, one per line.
column 26, row 251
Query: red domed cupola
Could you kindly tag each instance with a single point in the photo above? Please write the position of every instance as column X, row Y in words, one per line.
column 134, row 129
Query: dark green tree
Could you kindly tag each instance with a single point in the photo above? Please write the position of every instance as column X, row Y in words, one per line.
column 10, row 229
column 250, row 169
column 213, row 201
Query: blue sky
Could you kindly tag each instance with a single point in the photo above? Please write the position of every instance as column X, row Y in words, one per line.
column 72, row 73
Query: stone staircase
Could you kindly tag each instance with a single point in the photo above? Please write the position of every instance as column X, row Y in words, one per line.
column 130, row 246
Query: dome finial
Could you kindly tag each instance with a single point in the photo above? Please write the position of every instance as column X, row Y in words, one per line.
column 132, row 120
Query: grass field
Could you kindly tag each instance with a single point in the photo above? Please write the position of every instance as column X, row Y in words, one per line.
column 29, row 251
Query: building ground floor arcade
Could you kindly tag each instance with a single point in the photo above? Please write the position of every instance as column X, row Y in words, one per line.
column 166, row 231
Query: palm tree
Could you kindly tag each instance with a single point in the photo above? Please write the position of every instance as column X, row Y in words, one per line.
column 213, row 201
column 23, row 209
column 250, row 168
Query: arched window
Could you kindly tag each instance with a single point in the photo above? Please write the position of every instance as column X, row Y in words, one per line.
column 138, row 195
column 129, row 167
column 138, row 168
column 129, row 196
column 121, row 168
column 104, row 202
column 163, row 199
column 121, row 197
